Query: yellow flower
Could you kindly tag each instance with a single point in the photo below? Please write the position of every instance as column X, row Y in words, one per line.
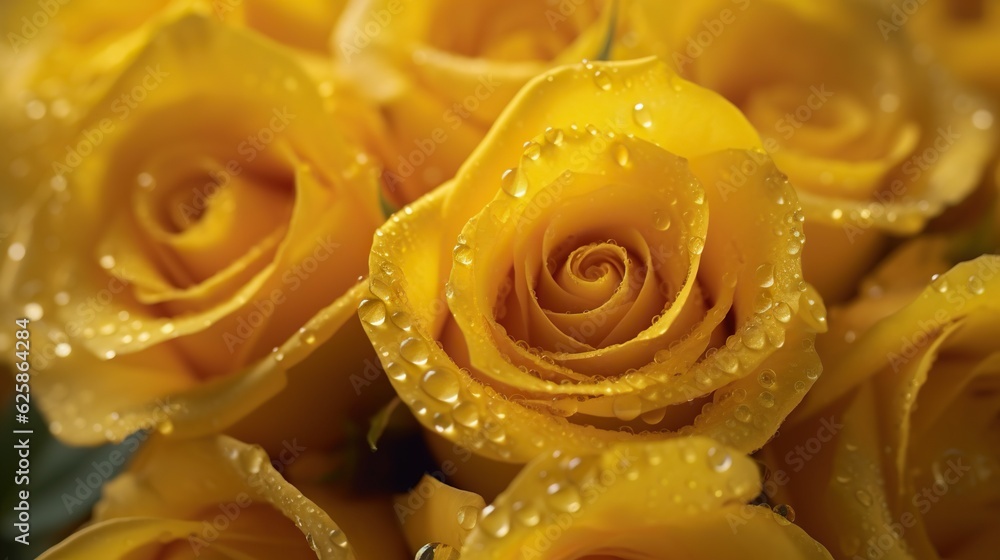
column 964, row 34
column 442, row 70
column 581, row 282
column 689, row 496
column 874, row 142
column 219, row 498
column 196, row 239
column 64, row 56
column 894, row 453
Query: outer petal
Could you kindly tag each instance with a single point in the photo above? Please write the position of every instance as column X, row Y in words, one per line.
column 635, row 500
column 237, row 506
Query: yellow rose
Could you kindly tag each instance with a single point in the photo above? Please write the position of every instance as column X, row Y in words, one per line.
column 874, row 142
column 442, row 70
column 195, row 240
column 689, row 496
column 894, row 453
column 964, row 34
column 219, row 498
column 579, row 283
column 64, row 56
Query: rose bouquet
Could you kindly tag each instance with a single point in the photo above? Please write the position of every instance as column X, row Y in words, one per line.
column 554, row 279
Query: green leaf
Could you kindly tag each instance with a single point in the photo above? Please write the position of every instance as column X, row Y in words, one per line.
column 609, row 36
column 380, row 422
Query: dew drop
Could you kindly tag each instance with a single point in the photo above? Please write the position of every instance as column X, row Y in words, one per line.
column 466, row 414
column 463, row 254
column 766, row 378
column 627, row 407
column 753, row 337
column 642, row 116
column 441, row 384
column 554, row 136
column 414, row 351
column 402, row 320
column 764, row 275
column 467, row 517
column 653, row 417
column 372, row 311
column 661, row 220
column 338, row 538
column 976, row 286
column 621, row 155
column 495, row 522
column 781, row 312
column 564, row 497
column 442, row 422
column 696, row 245
column 532, row 150
column 380, row 289
column 527, row 514
column 766, row 399
column 784, row 513
column 719, row 459
column 602, row 80
column 510, row 184
column 743, row 413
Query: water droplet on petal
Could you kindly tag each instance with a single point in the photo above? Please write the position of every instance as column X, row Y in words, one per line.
column 467, row 517
column 621, row 155
column 627, row 407
column 719, row 459
column 511, row 185
column 495, row 522
column 441, row 384
column 532, row 150
column 764, row 275
column 463, row 254
column 642, row 116
column 696, row 245
column 372, row 311
column 602, row 80
column 976, row 285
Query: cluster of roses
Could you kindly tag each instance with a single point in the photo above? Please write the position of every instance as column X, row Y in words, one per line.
column 575, row 235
